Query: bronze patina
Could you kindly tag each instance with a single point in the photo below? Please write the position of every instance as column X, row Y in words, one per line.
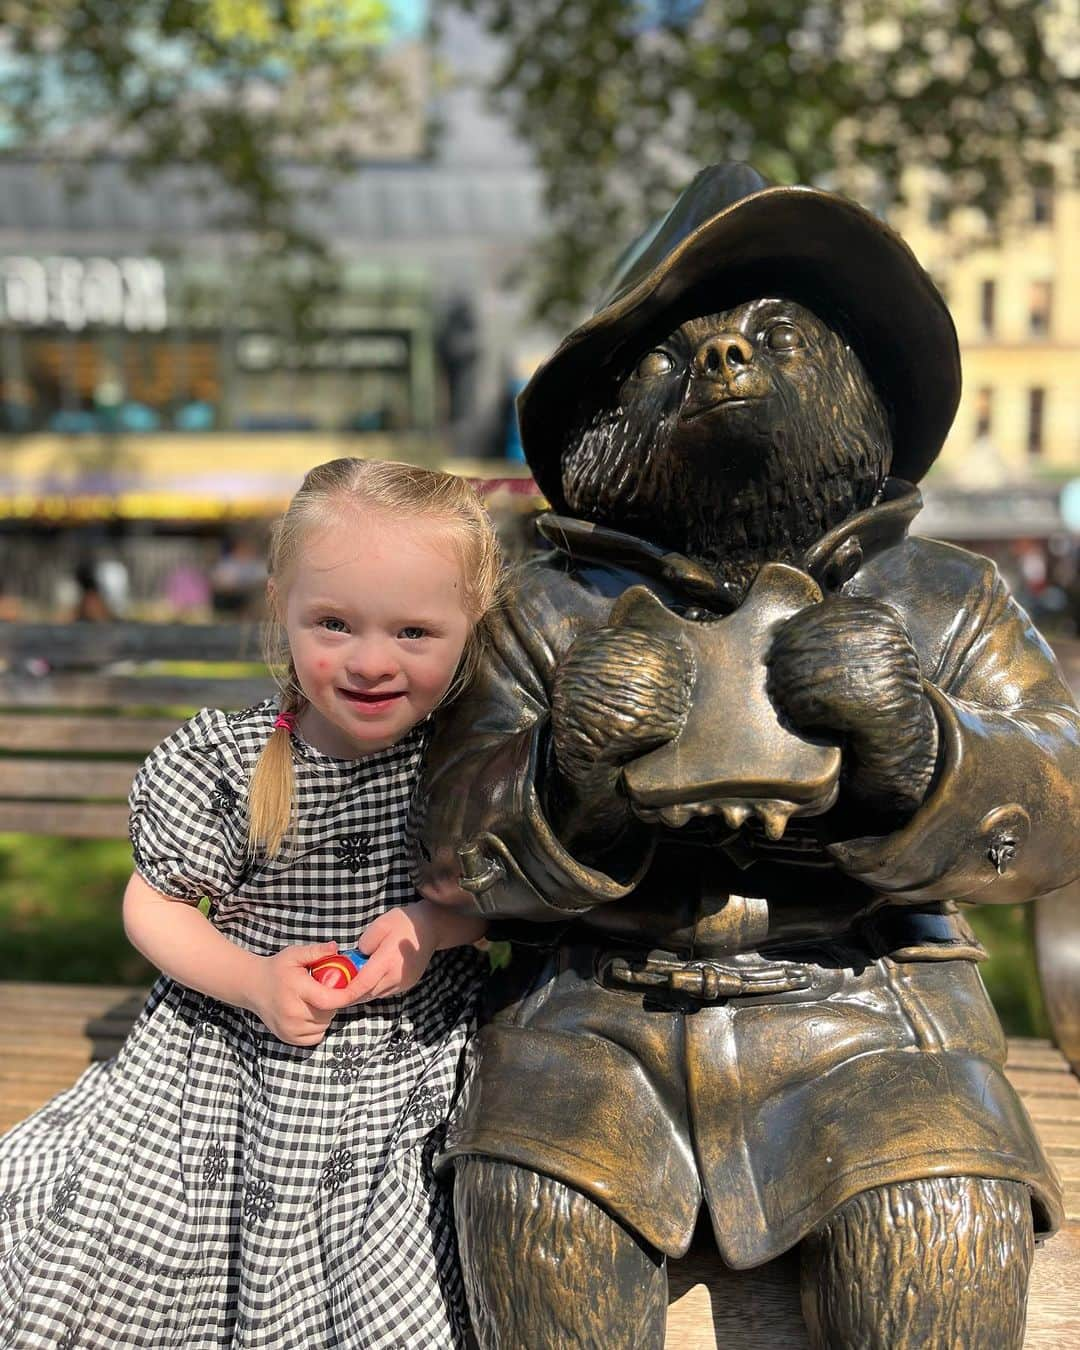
column 741, row 750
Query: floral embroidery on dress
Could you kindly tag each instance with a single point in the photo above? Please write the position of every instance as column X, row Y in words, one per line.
column 8, row 1205
column 69, row 1339
column 223, row 796
column 353, row 850
column 428, row 1105
column 215, row 1164
column 346, row 1064
column 398, row 1046
column 340, row 1168
column 259, row 1200
column 64, row 1198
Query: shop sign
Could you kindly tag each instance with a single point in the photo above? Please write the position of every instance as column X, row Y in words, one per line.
column 77, row 293
column 257, row 352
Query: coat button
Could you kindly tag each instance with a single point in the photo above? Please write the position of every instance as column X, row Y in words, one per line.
column 1002, row 833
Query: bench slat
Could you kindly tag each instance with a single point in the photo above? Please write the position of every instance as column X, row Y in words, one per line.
column 31, row 731
column 76, row 820
column 64, row 779
column 131, row 691
column 68, row 646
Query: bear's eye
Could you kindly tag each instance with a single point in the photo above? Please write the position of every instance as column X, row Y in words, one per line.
column 784, row 337
column 654, row 363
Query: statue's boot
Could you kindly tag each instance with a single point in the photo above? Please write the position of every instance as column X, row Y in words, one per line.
column 546, row 1268
column 938, row 1264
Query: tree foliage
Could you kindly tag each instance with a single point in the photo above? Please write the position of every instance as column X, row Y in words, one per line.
column 622, row 100
column 232, row 88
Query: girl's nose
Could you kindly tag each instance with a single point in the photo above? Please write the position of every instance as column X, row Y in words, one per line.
column 371, row 661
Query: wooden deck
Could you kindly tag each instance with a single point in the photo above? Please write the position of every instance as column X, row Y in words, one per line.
column 49, row 1033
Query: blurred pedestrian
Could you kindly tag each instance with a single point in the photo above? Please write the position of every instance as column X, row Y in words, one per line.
column 10, row 608
column 238, row 580
column 91, row 607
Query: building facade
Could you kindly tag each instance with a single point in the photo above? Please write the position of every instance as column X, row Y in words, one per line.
column 1016, row 302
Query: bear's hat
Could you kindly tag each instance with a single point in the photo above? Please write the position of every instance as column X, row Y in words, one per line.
column 729, row 237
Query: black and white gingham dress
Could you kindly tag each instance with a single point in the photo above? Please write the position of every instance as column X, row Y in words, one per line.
column 212, row 1186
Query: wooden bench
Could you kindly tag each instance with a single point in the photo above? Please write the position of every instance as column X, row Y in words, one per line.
column 82, row 704
column 49, row 1033
column 67, row 754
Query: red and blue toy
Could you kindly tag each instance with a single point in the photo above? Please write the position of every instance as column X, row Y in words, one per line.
column 339, row 970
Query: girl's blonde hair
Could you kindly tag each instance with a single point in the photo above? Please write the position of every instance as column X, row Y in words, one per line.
column 328, row 492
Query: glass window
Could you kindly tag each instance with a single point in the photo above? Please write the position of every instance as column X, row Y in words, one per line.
column 112, row 381
column 984, row 411
column 1036, row 417
column 1040, row 300
column 336, row 381
column 1042, row 197
column 987, row 297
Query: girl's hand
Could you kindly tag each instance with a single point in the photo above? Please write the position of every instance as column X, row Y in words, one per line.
column 399, row 946
column 296, row 1008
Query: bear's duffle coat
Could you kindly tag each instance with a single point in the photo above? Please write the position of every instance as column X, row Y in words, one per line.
column 852, row 1044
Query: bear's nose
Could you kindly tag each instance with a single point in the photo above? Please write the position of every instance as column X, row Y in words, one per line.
column 723, row 354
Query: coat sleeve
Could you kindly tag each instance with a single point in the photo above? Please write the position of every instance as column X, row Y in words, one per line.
column 1002, row 821
column 481, row 822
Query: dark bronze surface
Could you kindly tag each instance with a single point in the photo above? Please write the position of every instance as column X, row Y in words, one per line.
column 736, row 765
column 785, row 1026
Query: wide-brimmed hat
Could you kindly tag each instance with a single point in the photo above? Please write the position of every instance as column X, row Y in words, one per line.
column 729, row 237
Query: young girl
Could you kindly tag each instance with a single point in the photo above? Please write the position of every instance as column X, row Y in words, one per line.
column 254, row 1168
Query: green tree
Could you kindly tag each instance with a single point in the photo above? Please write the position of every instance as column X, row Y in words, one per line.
column 233, row 89
column 622, row 100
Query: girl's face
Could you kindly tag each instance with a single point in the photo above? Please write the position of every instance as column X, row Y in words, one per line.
column 376, row 625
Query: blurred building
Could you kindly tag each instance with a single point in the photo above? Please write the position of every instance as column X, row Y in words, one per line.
column 157, row 393
column 144, row 364
column 1016, row 302
column 1001, row 485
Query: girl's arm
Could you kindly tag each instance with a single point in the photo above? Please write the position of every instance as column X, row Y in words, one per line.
column 184, row 944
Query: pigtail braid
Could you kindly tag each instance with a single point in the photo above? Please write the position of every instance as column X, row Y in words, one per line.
column 272, row 786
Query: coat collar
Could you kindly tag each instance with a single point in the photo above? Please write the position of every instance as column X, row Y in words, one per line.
column 832, row 561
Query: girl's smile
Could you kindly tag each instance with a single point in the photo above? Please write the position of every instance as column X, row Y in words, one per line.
column 371, row 704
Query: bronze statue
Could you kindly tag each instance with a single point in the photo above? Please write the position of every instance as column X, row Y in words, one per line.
column 740, row 752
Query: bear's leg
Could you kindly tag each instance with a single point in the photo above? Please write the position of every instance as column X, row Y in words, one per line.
column 921, row 1265
column 547, row 1269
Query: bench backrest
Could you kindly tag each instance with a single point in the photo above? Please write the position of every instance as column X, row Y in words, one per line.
column 82, row 704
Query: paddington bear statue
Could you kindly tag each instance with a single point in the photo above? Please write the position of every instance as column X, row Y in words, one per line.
column 739, row 753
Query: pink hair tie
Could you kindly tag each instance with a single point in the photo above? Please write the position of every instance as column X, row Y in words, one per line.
column 286, row 720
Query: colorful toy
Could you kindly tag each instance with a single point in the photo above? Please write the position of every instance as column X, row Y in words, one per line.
column 338, row 971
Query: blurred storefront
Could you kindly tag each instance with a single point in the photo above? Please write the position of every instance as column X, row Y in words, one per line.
column 136, row 344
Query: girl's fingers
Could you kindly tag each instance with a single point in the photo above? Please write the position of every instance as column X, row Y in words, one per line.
column 322, row 997
column 375, row 980
column 311, row 952
column 376, row 932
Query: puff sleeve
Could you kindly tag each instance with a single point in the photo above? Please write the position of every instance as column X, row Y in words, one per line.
column 188, row 823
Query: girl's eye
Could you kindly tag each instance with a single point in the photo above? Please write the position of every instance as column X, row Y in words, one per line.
column 655, row 363
column 785, row 337
column 334, row 625
column 413, row 633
